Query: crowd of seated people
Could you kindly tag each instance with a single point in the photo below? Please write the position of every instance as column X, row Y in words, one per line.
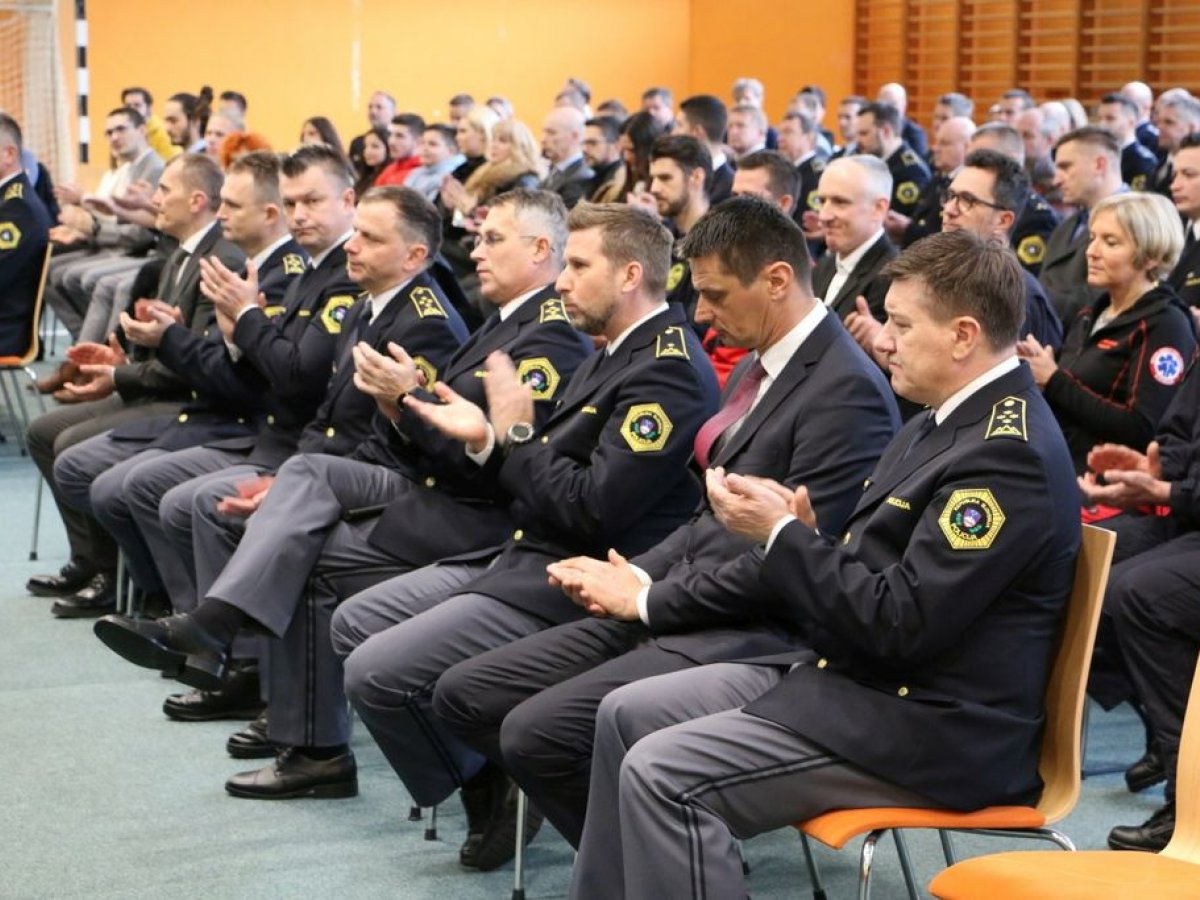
column 606, row 465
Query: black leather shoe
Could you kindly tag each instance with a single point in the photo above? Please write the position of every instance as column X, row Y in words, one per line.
column 1151, row 836
column 237, row 698
column 478, row 799
column 70, row 578
column 99, row 598
column 295, row 775
column 498, row 841
column 252, row 741
column 1146, row 772
column 176, row 645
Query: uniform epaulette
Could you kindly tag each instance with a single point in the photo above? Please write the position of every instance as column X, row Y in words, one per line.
column 1008, row 420
column 335, row 312
column 671, row 343
column 553, row 310
column 15, row 191
column 908, row 157
column 426, row 303
column 293, row 264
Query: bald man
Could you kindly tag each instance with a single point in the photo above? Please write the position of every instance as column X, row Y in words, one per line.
column 910, row 132
column 1143, row 98
column 562, row 146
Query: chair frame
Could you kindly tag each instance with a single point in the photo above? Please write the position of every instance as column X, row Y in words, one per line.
column 1059, row 761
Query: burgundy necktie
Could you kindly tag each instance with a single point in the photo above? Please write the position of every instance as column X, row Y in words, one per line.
column 739, row 404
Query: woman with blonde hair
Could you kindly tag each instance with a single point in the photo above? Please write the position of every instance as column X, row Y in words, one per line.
column 1124, row 355
column 513, row 161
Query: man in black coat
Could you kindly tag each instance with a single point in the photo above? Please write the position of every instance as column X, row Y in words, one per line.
column 24, row 233
column 1185, row 191
column 804, row 368
column 932, row 618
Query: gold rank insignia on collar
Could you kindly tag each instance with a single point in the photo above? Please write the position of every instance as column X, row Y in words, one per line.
column 426, row 303
column 335, row 312
column 1008, row 420
column 15, row 192
column 553, row 311
column 541, row 376
column 671, row 343
column 1031, row 250
column 293, row 264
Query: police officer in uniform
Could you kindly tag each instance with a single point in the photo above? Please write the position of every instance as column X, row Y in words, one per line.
column 1185, row 191
column 878, row 131
column 1118, row 116
column 932, row 619
column 24, row 233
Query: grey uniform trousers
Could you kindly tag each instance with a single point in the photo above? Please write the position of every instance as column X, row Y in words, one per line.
column 52, row 435
column 680, row 772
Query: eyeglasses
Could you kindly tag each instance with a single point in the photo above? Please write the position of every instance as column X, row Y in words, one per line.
column 492, row 238
column 968, row 201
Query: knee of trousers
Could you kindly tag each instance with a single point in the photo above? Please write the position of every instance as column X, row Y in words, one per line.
column 1125, row 588
column 534, row 738
column 341, row 634
column 73, row 477
column 174, row 510
column 459, row 702
column 369, row 684
column 107, row 495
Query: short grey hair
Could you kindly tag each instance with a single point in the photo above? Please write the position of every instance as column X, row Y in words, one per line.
column 1152, row 223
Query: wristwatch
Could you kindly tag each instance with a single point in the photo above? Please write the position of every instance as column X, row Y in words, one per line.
column 518, row 433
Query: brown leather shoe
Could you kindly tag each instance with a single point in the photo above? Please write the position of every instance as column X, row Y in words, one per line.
column 48, row 384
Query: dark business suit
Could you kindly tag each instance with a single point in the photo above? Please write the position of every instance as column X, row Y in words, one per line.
column 864, row 280
column 932, row 620
column 828, row 379
column 145, row 387
column 608, row 469
column 1064, row 267
column 570, row 183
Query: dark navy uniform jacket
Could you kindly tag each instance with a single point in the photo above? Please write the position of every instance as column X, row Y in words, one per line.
column 1115, row 384
column 1138, row 166
column 1185, row 277
column 909, row 177
column 609, row 469
column 934, row 616
column 1031, row 230
column 457, row 508
column 24, row 233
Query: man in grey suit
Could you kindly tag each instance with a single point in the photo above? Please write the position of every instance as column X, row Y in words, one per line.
column 751, row 268
column 562, row 145
column 125, row 388
column 855, row 193
column 1087, row 169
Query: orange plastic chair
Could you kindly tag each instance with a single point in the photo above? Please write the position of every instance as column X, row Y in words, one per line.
column 1100, row 874
column 1059, row 762
column 14, row 399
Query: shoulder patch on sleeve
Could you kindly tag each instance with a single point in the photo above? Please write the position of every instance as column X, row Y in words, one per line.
column 675, row 275
column 1031, row 250
column 972, row 519
column 426, row 303
column 541, row 376
column 15, row 192
column 646, row 427
column 814, row 201
column 1008, row 420
column 908, row 157
column 1138, row 183
column 553, row 311
column 428, row 369
column 10, row 234
column 672, row 343
column 1166, row 365
column 335, row 312
column 907, row 192
column 293, row 264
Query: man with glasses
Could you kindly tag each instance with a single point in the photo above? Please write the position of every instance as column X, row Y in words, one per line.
column 603, row 156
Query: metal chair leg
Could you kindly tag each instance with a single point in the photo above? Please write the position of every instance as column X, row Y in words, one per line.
column 414, row 813
column 431, row 833
column 120, row 587
column 814, row 872
column 864, row 863
column 518, row 891
column 947, row 847
column 906, row 866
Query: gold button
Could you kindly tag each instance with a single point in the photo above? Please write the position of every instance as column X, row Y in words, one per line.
column 183, row 417
column 270, row 420
column 545, row 438
column 903, row 692
column 866, row 484
column 822, row 663
column 518, row 534
column 241, row 421
column 195, row 396
column 330, row 431
column 846, row 538
column 430, row 481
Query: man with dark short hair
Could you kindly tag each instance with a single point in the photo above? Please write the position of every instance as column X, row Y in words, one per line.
column 439, row 156
column 752, row 269
column 602, row 152
column 1185, row 192
column 930, row 621
column 705, row 117
column 658, row 102
column 404, row 134
column 878, row 134
column 1118, row 115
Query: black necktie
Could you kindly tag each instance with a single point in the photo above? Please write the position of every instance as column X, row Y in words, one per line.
column 923, row 431
column 1189, row 236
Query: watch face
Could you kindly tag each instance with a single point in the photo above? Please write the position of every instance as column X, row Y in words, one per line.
column 520, row 433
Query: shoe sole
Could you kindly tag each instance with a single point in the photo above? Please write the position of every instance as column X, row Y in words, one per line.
column 52, row 592
column 71, row 612
column 315, row 791
column 1122, row 845
column 142, row 651
column 269, row 751
column 500, row 848
column 190, row 715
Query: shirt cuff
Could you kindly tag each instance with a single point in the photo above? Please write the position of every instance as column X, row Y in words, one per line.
column 779, row 526
column 643, row 597
column 489, row 448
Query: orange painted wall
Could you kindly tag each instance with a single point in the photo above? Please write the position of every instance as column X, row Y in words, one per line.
column 785, row 44
column 294, row 60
